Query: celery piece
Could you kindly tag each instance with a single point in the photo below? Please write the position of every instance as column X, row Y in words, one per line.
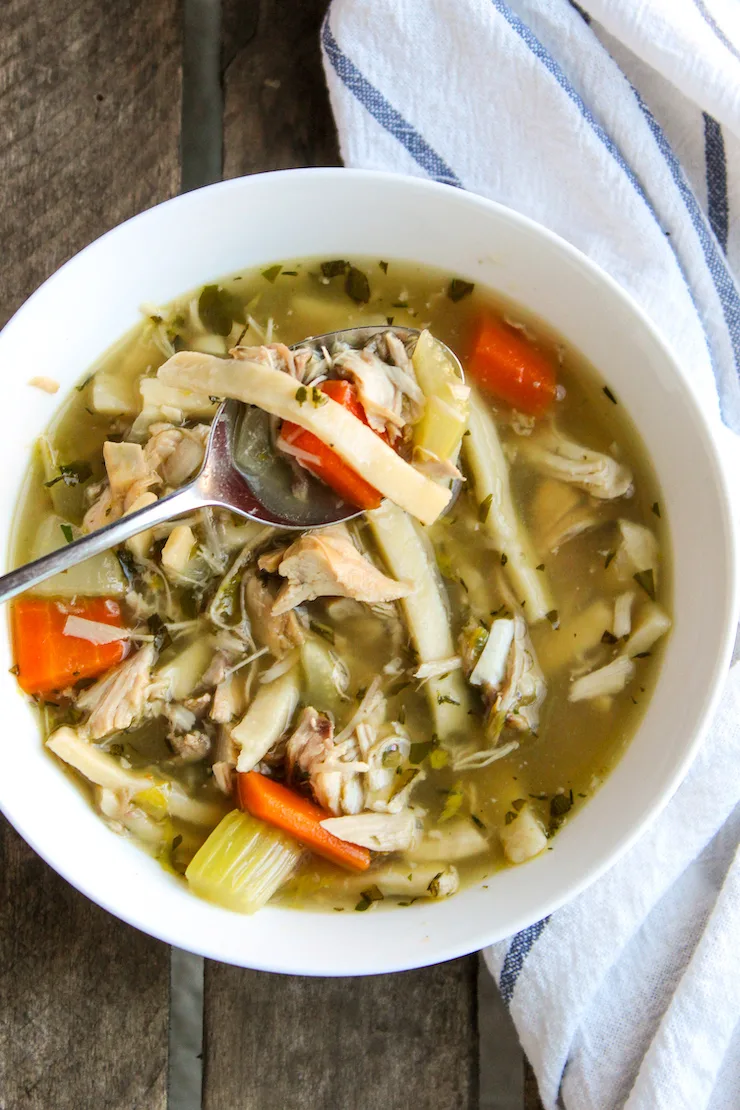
column 99, row 576
column 242, row 863
column 445, row 418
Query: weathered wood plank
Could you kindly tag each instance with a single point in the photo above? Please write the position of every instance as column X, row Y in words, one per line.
column 89, row 134
column 273, row 1042
column 276, row 107
column 83, row 998
column 89, row 126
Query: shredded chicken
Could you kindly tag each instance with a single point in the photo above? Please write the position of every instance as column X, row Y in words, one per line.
column 559, row 457
column 433, row 467
column 190, row 747
column 388, row 391
column 327, row 564
column 381, row 832
column 280, row 631
column 310, row 744
column 117, row 699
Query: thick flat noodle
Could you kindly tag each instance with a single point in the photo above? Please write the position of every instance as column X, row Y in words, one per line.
column 406, row 551
column 275, row 392
column 485, row 461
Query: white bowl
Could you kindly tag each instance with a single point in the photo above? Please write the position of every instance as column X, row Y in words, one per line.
column 203, row 235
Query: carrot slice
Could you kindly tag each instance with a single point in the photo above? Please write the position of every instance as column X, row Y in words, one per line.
column 329, row 467
column 46, row 658
column 509, row 366
column 286, row 810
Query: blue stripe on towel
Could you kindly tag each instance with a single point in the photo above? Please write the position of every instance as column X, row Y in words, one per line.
column 519, row 949
column 716, row 173
column 723, row 282
column 709, row 18
column 384, row 112
column 721, row 277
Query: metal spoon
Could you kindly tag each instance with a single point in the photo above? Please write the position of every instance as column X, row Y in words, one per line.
column 233, row 476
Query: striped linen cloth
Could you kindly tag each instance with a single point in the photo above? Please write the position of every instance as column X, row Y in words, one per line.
column 617, row 124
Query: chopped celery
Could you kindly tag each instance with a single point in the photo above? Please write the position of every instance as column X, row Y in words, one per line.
column 100, row 576
column 445, row 418
column 242, row 863
column 320, row 672
column 184, row 670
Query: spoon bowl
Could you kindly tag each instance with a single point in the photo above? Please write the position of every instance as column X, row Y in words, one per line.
column 240, row 472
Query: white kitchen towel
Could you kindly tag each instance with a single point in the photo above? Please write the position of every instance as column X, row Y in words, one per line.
column 617, row 124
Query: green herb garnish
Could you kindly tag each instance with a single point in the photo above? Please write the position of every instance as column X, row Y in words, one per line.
column 356, row 286
column 317, row 397
column 518, row 804
column 14, row 670
column 419, row 751
column 389, row 322
column 334, row 268
column 67, row 532
column 127, row 564
column 384, row 267
column 477, row 822
column 72, row 474
column 218, row 309
column 642, row 655
column 554, row 618
column 159, row 631
column 445, row 699
column 646, row 579
column 484, row 508
column 504, row 558
column 271, row 273
column 322, row 629
column 656, row 508
column 457, row 289
column 610, row 395
column 301, row 394
column 367, row 897
column 608, row 637
column 560, row 804
column 509, row 817
column 540, row 566
column 83, row 385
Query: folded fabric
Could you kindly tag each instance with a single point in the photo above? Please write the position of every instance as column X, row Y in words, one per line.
column 616, row 125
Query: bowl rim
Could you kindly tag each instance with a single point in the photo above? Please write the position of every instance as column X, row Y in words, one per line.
column 705, row 428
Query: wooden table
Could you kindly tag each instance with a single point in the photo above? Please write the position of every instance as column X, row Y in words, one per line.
column 106, row 109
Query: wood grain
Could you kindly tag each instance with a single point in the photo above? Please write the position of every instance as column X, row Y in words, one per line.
column 83, row 997
column 276, row 106
column 89, row 135
column 283, row 1043
column 89, row 126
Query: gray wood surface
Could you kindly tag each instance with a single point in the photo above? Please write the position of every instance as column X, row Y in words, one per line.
column 89, row 133
column 282, row 1043
column 89, row 126
column 276, row 107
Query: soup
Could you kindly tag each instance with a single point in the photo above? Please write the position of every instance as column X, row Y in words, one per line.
column 382, row 710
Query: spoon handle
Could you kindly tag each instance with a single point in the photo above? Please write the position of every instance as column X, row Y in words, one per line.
column 184, row 500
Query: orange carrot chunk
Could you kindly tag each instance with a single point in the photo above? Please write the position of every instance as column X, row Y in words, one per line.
column 47, row 659
column 329, row 467
column 507, row 365
column 294, row 814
